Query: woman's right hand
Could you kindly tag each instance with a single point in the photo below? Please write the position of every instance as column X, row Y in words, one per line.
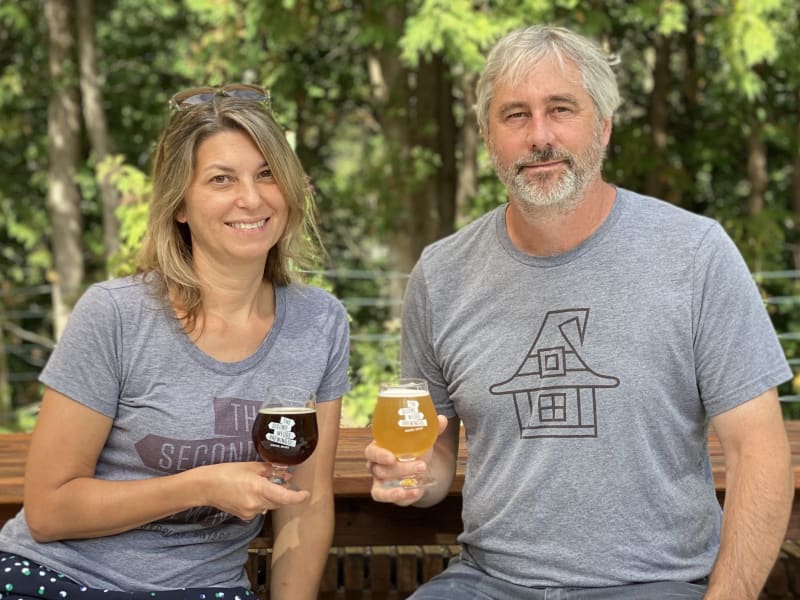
column 244, row 490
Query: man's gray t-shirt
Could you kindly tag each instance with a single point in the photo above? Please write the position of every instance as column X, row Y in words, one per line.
column 584, row 382
column 174, row 407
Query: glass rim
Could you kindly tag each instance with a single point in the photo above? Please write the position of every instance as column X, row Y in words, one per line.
column 404, row 383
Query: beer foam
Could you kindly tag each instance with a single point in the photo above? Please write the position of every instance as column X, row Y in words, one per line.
column 286, row 410
column 400, row 392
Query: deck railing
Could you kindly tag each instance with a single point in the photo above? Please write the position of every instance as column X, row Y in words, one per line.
column 26, row 327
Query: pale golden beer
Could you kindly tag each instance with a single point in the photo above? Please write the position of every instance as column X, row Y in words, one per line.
column 404, row 421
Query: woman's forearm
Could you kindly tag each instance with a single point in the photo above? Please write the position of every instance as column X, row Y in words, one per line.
column 90, row 508
column 300, row 552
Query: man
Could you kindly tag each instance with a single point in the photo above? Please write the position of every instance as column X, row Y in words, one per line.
column 585, row 335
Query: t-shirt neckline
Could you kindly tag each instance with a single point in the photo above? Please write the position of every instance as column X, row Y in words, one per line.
column 597, row 237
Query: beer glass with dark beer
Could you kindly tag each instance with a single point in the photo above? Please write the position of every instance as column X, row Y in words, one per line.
column 285, row 430
column 404, row 421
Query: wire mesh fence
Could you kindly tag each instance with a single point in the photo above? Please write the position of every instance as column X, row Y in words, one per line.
column 373, row 300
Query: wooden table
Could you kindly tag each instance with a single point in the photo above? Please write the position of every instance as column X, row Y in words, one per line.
column 361, row 521
column 13, row 451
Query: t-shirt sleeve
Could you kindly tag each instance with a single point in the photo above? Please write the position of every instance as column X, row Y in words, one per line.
column 737, row 354
column 85, row 364
column 336, row 381
column 417, row 353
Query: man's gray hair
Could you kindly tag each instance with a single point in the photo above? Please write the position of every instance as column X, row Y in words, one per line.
column 512, row 57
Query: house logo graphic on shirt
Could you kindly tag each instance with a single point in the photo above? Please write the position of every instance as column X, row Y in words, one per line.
column 554, row 390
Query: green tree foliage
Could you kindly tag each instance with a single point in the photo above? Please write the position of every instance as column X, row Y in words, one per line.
column 24, row 254
column 721, row 74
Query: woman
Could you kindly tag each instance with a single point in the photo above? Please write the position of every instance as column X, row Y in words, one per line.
column 142, row 477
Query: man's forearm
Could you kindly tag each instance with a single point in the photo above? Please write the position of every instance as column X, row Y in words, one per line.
column 758, row 501
column 443, row 471
column 442, row 466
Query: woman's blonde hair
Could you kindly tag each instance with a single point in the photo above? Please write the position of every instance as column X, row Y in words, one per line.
column 167, row 247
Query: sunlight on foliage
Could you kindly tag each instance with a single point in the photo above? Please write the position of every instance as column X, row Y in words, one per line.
column 135, row 188
column 450, row 27
column 672, row 18
column 750, row 32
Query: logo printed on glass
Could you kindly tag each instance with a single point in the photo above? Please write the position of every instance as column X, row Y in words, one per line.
column 410, row 415
column 282, row 433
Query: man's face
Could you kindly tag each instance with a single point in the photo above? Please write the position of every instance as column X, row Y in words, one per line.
column 544, row 137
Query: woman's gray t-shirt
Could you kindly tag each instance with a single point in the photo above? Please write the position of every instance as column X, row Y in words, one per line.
column 125, row 355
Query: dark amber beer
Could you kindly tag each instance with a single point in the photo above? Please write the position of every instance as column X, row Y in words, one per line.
column 285, row 435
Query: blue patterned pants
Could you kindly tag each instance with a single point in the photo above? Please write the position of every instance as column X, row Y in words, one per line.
column 22, row 579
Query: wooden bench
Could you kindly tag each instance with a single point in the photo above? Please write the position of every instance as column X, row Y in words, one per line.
column 384, row 551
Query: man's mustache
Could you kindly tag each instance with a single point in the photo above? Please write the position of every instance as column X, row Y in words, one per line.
column 541, row 157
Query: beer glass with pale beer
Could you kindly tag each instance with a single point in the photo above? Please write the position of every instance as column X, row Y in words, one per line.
column 404, row 421
column 285, row 430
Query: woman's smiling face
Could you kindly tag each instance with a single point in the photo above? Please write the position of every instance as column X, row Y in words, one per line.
column 233, row 207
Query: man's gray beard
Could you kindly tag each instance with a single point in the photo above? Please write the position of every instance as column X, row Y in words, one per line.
column 564, row 196
column 538, row 191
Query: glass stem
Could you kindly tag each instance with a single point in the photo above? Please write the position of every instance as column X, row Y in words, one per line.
column 278, row 476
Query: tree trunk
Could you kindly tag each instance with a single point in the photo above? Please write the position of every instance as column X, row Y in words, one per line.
column 391, row 93
column 415, row 113
column 757, row 174
column 796, row 188
column 5, row 386
column 756, row 167
column 95, row 119
column 657, row 179
column 63, row 130
column 433, row 207
column 690, row 91
column 469, row 141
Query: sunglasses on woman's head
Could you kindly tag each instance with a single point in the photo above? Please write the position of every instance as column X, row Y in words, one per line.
column 202, row 95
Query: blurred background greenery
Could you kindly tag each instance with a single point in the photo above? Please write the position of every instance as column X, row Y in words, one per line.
column 376, row 96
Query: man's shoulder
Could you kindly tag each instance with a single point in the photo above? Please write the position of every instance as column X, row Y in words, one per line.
column 466, row 240
column 670, row 234
column 651, row 207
